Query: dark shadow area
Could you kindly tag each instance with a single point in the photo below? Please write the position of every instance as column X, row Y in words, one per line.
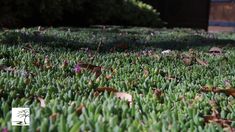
column 183, row 13
column 77, row 13
column 115, row 40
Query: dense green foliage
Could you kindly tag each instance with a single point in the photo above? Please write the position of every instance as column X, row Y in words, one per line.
column 77, row 12
column 180, row 106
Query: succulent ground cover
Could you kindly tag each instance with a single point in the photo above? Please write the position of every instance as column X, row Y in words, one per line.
column 118, row 79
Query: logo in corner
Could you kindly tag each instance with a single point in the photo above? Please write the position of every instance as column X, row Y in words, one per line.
column 20, row 117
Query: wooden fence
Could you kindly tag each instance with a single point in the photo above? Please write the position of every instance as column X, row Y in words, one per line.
column 222, row 15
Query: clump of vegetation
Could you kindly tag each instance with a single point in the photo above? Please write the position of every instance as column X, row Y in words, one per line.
column 78, row 12
column 71, row 84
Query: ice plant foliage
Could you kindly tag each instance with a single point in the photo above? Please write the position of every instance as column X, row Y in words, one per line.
column 138, row 88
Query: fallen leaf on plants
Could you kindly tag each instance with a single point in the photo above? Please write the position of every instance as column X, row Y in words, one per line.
column 108, row 77
column 213, row 103
column 40, row 29
column 23, row 73
column 87, row 66
column 187, row 59
column 7, row 69
column 166, row 52
column 156, row 57
column 230, row 91
column 227, row 84
column 96, row 94
column 53, row 116
column 47, row 63
column 42, row 102
column 215, row 118
column 191, row 58
column 216, row 51
column 198, row 97
column 29, row 48
column 123, row 96
column 170, row 78
column 146, row 72
column 201, row 62
column 79, row 109
column 108, row 89
column 157, row 92
column 114, row 71
column 37, row 63
column 95, row 69
column 212, row 118
column 72, row 103
column 65, row 64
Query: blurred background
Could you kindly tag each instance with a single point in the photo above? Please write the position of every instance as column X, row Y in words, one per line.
column 212, row 15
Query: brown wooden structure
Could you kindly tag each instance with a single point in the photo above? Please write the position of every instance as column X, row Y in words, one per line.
column 212, row 15
column 222, row 15
column 183, row 13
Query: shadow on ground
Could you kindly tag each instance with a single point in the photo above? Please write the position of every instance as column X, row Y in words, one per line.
column 115, row 39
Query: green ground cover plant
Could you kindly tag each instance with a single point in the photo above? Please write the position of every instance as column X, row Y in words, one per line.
column 118, row 79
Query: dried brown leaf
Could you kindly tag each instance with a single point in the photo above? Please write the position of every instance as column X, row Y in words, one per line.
column 216, row 51
column 108, row 77
column 95, row 69
column 156, row 57
column 79, row 109
column 187, row 59
column 87, row 66
column 201, row 62
column 198, row 97
column 53, row 116
column 146, row 72
column 7, row 69
column 215, row 118
column 108, row 89
column 42, row 102
column 170, row 78
column 96, row 93
column 123, row 96
column 230, row 91
column 37, row 63
column 227, row 84
column 213, row 104
column 29, row 48
column 157, row 92
column 47, row 63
